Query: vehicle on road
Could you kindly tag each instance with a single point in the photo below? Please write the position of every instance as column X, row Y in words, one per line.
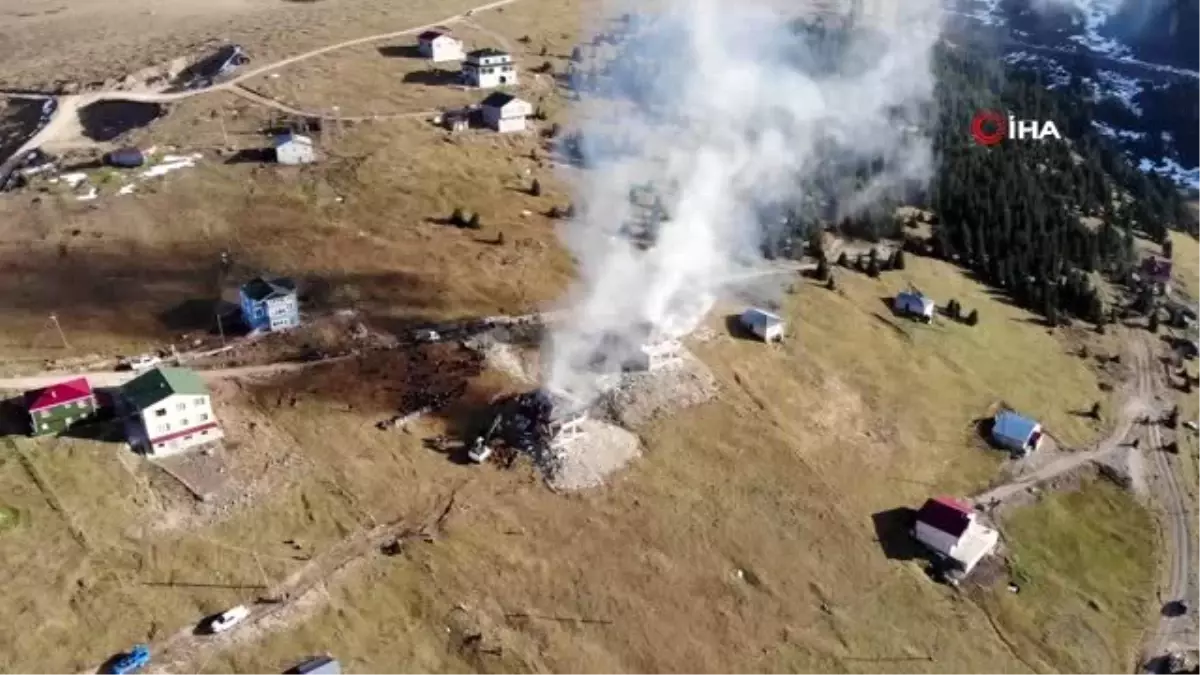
column 140, row 362
column 132, row 661
column 228, row 619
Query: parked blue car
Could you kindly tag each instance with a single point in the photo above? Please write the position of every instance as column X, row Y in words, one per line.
column 136, row 659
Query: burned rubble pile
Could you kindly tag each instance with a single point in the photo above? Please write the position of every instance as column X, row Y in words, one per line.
column 531, row 423
column 572, row 450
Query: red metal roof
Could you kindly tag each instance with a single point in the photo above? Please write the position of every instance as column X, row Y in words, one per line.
column 947, row 514
column 58, row 394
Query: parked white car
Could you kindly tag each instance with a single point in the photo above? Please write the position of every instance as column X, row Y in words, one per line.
column 228, row 619
column 141, row 362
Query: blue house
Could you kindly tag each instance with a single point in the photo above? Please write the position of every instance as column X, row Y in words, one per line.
column 1017, row 433
column 269, row 305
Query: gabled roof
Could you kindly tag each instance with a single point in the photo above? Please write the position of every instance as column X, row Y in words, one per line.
column 486, row 51
column 946, row 514
column 915, row 295
column 58, row 394
column 153, row 386
column 760, row 317
column 291, row 137
column 1012, row 426
column 259, row 289
column 498, row 99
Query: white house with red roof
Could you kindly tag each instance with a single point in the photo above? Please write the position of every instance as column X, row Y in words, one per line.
column 951, row 529
column 54, row 409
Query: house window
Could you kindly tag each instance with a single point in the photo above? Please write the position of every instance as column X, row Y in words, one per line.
column 183, row 422
column 45, row 414
column 165, row 427
column 161, row 412
column 203, row 417
column 181, row 407
column 198, row 401
column 204, row 433
column 188, row 437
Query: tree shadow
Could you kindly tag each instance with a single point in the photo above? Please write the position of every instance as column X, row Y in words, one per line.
column 400, row 52
column 893, row 532
column 738, row 330
column 434, row 77
column 110, row 663
column 900, row 332
column 200, row 314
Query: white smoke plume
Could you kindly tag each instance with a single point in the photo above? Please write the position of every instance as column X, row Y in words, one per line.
column 729, row 113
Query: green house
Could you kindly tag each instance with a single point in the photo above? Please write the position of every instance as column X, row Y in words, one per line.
column 54, row 409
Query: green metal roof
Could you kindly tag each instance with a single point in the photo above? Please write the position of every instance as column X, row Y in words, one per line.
column 153, row 386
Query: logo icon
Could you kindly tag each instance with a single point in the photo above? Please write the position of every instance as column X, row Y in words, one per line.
column 989, row 127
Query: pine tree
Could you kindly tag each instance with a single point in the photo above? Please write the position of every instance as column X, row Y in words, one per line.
column 1168, row 247
column 831, row 285
column 823, row 271
column 1095, row 411
column 473, row 222
column 458, row 218
column 1152, row 322
column 898, row 260
column 843, row 260
column 873, row 268
column 973, row 318
column 535, row 188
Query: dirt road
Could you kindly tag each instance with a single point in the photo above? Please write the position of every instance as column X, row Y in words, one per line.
column 65, row 121
column 115, row 378
column 1177, row 514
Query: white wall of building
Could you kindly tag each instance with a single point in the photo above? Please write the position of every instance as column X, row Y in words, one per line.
column 295, row 152
column 511, row 117
column 442, row 48
column 935, row 539
column 164, row 423
column 491, row 72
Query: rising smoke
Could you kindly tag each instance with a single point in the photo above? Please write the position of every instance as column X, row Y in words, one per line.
column 704, row 122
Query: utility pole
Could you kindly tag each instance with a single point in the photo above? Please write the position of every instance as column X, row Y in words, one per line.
column 54, row 319
column 220, row 327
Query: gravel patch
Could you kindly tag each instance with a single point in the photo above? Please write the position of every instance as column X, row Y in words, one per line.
column 641, row 397
column 588, row 461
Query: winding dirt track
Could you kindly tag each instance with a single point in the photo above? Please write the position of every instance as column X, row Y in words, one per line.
column 66, row 114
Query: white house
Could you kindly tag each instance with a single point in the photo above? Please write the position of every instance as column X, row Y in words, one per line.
column 762, row 323
column 292, row 148
column 438, row 46
column 504, row 112
column 916, row 304
column 489, row 68
column 566, row 416
column 950, row 529
column 658, row 355
column 167, row 411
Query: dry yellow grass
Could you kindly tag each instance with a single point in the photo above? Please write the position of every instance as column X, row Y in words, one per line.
column 858, row 413
column 779, row 478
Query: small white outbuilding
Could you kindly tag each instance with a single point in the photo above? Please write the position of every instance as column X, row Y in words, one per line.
column 439, row 46
column 293, row 148
column 762, row 323
column 505, row 112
